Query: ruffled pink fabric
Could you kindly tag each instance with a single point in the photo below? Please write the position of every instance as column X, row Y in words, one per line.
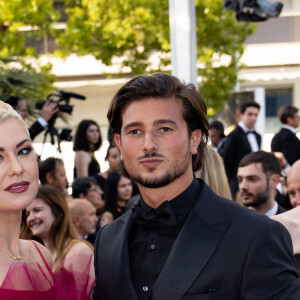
column 74, row 276
column 29, row 281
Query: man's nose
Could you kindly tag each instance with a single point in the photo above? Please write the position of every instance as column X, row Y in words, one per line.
column 150, row 144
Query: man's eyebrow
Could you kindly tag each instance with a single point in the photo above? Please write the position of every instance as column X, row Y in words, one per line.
column 18, row 145
column 164, row 121
column 133, row 124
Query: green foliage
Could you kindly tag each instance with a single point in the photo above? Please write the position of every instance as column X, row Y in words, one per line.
column 15, row 14
column 131, row 31
column 25, row 80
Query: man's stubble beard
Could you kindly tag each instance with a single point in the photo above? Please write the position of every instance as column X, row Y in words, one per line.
column 260, row 198
column 165, row 179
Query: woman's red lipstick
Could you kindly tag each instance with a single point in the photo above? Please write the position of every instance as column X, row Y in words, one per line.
column 18, row 187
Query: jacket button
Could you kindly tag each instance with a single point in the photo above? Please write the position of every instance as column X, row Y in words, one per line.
column 152, row 247
column 145, row 288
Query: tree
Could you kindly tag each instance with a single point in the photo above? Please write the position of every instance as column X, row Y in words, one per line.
column 133, row 30
column 25, row 80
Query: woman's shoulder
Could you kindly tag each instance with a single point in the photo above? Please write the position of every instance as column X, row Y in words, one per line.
column 79, row 247
column 83, row 153
column 37, row 248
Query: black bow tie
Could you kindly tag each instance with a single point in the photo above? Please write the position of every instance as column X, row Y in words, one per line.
column 161, row 220
column 250, row 131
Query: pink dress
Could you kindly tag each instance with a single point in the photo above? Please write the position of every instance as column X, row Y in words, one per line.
column 30, row 281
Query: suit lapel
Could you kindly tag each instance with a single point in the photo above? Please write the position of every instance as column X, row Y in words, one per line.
column 190, row 253
column 244, row 138
column 119, row 254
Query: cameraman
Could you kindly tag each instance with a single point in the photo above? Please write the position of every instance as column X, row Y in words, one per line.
column 48, row 110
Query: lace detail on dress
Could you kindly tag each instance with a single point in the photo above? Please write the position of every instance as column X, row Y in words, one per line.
column 31, row 281
column 74, row 275
column 28, row 281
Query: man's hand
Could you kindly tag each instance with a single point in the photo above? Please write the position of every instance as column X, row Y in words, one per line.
column 48, row 110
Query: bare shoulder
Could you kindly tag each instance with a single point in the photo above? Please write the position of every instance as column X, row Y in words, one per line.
column 32, row 247
column 82, row 154
column 80, row 248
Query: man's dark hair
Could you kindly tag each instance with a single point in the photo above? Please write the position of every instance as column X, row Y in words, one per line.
column 163, row 86
column 81, row 185
column 80, row 140
column 286, row 111
column 13, row 101
column 218, row 126
column 247, row 104
column 48, row 166
column 270, row 163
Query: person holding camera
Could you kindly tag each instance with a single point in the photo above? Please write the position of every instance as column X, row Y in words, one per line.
column 48, row 110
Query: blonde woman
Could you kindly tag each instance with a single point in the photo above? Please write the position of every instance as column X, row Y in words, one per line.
column 25, row 265
column 213, row 172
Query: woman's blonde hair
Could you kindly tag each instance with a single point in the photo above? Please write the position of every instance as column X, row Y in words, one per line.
column 213, row 172
column 6, row 111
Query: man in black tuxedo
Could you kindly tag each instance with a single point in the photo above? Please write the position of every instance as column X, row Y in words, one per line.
column 285, row 140
column 182, row 241
column 258, row 175
column 241, row 141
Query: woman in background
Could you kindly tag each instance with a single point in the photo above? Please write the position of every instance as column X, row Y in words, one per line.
column 87, row 140
column 25, row 265
column 118, row 192
column 49, row 220
column 113, row 157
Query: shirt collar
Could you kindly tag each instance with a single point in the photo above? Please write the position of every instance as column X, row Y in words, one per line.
column 272, row 211
column 244, row 127
column 183, row 203
column 292, row 129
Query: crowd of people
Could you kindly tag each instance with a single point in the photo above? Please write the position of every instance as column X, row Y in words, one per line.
column 173, row 217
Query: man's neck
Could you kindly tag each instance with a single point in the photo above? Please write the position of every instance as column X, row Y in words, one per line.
column 154, row 197
column 264, row 208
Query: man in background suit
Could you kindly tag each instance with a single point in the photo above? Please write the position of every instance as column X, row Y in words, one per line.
column 217, row 136
column 258, row 175
column 241, row 141
column 285, row 140
column 182, row 241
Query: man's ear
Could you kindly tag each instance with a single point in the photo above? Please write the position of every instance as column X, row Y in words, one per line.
column 117, row 139
column 274, row 180
column 76, row 221
column 195, row 140
column 82, row 196
column 49, row 178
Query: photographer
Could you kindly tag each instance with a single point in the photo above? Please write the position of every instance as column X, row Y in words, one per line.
column 48, row 110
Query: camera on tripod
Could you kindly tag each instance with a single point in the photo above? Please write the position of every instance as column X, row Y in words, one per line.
column 63, row 108
column 58, row 97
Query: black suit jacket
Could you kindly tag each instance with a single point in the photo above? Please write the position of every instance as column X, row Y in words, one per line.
column 35, row 129
column 235, row 148
column 223, row 252
column 286, row 142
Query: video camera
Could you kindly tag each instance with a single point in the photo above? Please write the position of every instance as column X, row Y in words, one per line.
column 58, row 97
column 62, row 96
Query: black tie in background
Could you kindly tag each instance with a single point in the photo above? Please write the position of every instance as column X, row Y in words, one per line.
column 162, row 219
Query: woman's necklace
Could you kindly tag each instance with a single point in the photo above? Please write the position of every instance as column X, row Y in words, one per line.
column 13, row 256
